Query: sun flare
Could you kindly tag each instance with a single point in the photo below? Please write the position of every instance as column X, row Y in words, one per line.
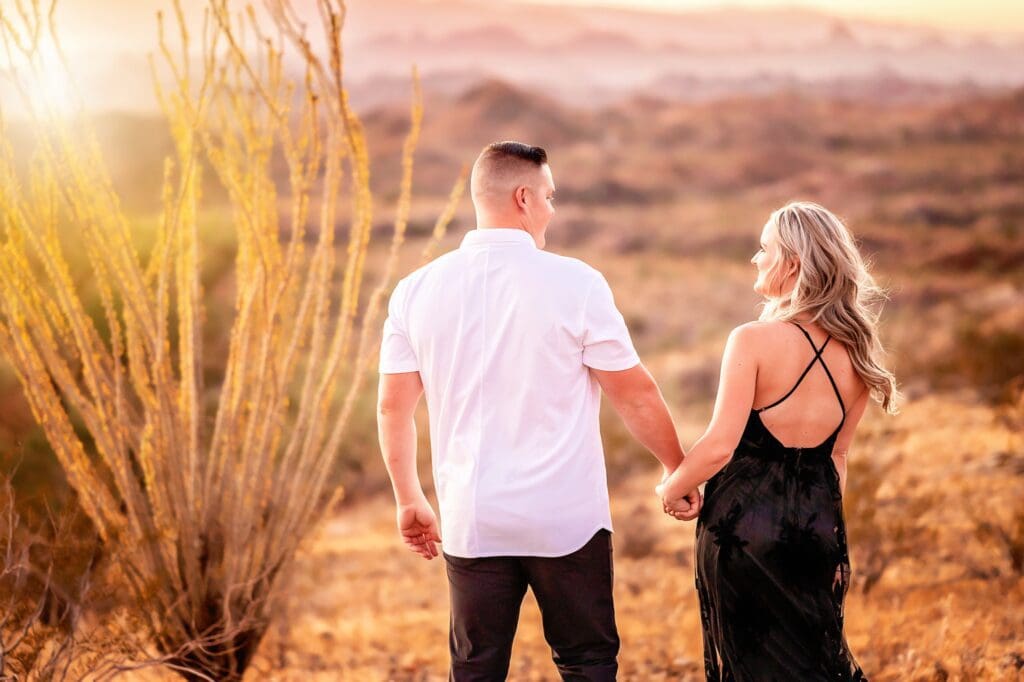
column 49, row 85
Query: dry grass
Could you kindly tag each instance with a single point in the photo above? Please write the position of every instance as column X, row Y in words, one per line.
column 200, row 492
column 946, row 608
column 175, row 359
column 44, row 597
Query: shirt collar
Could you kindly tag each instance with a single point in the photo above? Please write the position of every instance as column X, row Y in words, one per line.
column 498, row 235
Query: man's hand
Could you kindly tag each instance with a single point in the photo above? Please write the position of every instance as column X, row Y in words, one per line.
column 418, row 525
column 685, row 508
column 396, row 426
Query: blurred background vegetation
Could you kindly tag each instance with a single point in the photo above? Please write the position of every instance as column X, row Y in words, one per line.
column 667, row 195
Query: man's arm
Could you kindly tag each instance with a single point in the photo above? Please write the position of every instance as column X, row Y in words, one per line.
column 638, row 400
column 636, row 397
column 397, row 397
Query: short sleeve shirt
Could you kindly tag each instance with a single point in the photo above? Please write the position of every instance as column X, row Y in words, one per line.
column 502, row 335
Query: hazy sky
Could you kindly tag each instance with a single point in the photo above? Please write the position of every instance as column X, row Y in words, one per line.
column 1000, row 16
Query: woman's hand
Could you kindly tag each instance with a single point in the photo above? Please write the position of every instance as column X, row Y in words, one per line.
column 685, row 508
column 713, row 450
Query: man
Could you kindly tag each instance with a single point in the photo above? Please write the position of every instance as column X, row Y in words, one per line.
column 512, row 346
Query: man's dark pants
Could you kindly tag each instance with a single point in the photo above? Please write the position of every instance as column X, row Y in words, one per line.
column 574, row 593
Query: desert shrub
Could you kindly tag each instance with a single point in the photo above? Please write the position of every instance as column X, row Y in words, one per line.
column 990, row 358
column 201, row 484
column 1004, row 527
column 613, row 192
column 46, row 586
column 938, row 213
column 880, row 531
column 1008, row 534
column 636, row 534
column 624, row 455
column 994, row 257
column 771, row 165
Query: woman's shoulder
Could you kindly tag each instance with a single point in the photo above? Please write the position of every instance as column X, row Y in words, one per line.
column 760, row 339
column 758, row 331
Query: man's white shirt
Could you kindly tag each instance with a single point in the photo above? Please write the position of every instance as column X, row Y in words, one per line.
column 502, row 334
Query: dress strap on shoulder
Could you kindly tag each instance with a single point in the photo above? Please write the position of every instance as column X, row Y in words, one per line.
column 809, row 339
column 817, row 358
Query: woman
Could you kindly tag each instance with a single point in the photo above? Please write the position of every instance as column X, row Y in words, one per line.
column 772, row 563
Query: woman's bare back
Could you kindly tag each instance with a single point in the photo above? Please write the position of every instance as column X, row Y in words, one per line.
column 813, row 411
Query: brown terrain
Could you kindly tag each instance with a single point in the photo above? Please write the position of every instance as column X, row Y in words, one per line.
column 667, row 199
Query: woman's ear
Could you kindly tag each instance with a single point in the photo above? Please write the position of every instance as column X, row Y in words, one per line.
column 793, row 267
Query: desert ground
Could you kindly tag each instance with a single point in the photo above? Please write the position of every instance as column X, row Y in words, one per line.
column 364, row 608
column 667, row 199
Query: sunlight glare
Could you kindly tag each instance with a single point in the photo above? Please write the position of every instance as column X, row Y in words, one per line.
column 52, row 92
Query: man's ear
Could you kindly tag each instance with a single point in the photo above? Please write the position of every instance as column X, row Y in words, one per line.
column 521, row 196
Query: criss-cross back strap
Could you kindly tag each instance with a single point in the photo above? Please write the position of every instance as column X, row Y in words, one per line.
column 817, row 358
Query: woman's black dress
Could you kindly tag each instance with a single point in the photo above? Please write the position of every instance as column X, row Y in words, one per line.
column 772, row 564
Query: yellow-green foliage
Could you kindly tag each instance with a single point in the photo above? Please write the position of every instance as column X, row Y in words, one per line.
column 203, row 492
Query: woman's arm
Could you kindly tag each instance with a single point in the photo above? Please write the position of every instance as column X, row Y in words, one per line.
column 732, row 409
column 845, row 437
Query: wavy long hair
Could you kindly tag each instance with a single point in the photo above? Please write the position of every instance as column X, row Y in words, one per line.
column 833, row 289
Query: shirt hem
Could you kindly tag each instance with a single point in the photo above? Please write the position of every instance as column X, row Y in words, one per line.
column 540, row 555
column 397, row 370
column 614, row 366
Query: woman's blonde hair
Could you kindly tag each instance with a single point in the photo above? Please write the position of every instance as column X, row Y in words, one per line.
column 833, row 289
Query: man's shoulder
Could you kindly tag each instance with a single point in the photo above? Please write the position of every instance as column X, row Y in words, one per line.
column 425, row 270
column 551, row 264
column 568, row 266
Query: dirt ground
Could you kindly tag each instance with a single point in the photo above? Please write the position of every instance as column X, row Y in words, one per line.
column 947, row 605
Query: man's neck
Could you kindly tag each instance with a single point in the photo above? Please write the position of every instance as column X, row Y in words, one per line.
column 499, row 226
column 487, row 225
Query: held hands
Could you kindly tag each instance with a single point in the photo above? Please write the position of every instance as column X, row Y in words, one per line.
column 417, row 524
column 684, row 508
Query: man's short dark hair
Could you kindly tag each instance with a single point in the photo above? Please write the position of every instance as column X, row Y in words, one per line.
column 502, row 166
column 516, row 150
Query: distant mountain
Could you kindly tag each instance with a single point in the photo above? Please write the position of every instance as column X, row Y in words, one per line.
column 934, row 41
column 602, row 40
column 884, row 85
column 588, row 57
column 377, row 91
column 593, row 56
column 498, row 110
column 488, row 37
column 840, row 34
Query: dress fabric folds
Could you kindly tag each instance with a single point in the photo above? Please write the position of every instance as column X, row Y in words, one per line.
column 772, row 563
